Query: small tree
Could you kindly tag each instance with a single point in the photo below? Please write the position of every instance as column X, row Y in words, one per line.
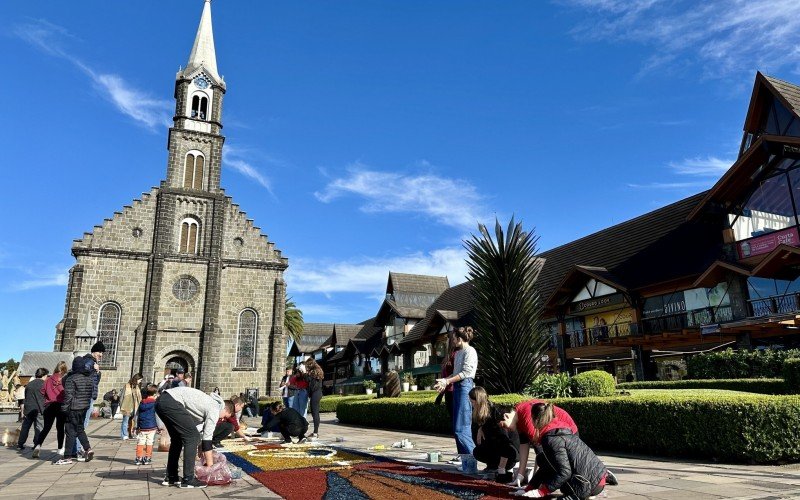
column 293, row 320
column 510, row 339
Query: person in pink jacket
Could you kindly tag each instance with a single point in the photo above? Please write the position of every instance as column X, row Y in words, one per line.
column 53, row 393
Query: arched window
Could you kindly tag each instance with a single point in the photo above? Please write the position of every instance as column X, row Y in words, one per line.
column 190, row 236
column 246, row 339
column 193, row 170
column 200, row 106
column 108, row 331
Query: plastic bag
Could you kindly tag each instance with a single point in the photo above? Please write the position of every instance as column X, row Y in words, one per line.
column 164, row 441
column 215, row 474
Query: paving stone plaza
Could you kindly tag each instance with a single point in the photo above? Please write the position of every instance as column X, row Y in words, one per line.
column 112, row 473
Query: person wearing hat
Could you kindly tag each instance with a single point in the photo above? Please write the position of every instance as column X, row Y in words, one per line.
column 190, row 417
column 89, row 365
column 180, row 378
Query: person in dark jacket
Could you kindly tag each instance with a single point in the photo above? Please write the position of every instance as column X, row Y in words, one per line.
column 573, row 467
column 495, row 446
column 53, row 397
column 90, row 364
column 34, row 408
column 78, row 388
column 146, row 426
column 314, row 376
column 289, row 422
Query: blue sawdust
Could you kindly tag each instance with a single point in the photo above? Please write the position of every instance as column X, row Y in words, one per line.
column 340, row 488
column 434, row 484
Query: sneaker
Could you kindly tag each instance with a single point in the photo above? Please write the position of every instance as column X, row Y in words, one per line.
column 288, row 441
column 36, row 450
column 171, row 482
column 193, row 483
column 147, row 461
column 138, row 461
column 302, row 440
column 314, row 435
column 125, row 438
column 60, row 451
column 611, row 479
column 20, row 447
column 88, row 455
column 63, row 461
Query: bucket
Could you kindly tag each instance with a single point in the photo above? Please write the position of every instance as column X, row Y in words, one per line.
column 469, row 464
column 433, row 457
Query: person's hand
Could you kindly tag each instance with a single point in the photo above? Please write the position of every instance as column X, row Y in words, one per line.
column 96, row 367
column 479, row 436
column 530, row 494
column 247, row 439
column 441, row 384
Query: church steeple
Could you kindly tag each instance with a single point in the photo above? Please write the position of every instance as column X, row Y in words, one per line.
column 203, row 53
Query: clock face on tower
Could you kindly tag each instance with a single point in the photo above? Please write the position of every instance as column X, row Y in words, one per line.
column 200, row 82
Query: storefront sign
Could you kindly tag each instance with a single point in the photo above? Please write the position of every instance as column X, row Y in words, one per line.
column 596, row 303
column 768, row 242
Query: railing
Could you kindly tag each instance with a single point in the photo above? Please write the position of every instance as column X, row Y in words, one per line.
column 597, row 334
column 688, row 319
column 778, row 304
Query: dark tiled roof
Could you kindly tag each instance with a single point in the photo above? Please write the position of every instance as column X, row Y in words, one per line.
column 457, row 299
column 399, row 282
column 315, row 336
column 652, row 248
column 345, row 332
column 789, row 91
column 33, row 360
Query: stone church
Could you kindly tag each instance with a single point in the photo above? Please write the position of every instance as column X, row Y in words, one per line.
column 181, row 277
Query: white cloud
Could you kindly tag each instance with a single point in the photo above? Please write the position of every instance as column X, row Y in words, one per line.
column 368, row 274
column 134, row 103
column 233, row 158
column 710, row 166
column 47, row 280
column 452, row 202
column 721, row 36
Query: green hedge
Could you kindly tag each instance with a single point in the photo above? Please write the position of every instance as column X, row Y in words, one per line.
column 730, row 364
column 592, row 383
column 746, row 428
column 754, row 385
column 791, row 375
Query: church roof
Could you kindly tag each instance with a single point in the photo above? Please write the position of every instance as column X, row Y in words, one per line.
column 203, row 53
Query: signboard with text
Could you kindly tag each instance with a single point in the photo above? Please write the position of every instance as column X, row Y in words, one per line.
column 768, row 242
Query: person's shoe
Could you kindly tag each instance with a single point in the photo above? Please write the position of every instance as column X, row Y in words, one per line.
column 611, row 479
column 64, row 461
column 138, row 461
column 147, row 461
column 60, row 451
column 302, row 440
column 36, row 450
column 20, row 447
column 88, row 455
column 193, row 483
column 168, row 481
column 314, row 435
column 125, row 438
column 456, row 460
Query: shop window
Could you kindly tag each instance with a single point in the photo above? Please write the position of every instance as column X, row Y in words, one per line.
column 768, row 209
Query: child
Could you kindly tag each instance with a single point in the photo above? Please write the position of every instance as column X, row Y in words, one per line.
column 147, row 427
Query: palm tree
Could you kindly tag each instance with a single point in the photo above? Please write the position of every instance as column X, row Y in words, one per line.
column 509, row 339
column 293, row 320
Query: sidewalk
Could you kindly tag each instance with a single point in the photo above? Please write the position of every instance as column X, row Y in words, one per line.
column 112, row 473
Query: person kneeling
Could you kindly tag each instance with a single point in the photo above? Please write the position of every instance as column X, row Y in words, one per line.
column 229, row 425
column 572, row 468
column 289, row 422
column 498, row 448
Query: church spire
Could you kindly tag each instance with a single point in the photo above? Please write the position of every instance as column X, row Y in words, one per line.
column 203, row 53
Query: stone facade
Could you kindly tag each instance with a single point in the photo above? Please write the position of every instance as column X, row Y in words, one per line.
column 179, row 306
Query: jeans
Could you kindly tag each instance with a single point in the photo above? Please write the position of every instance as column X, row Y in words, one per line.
column 316, row 397
column 32, row 418
column 301, row 402
column 462, row 416
column 76, row 433
column 52, row 413
column 183, row 434
column 123, row 430
column 86, row 419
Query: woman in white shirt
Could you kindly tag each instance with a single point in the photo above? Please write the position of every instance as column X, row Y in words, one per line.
column 464, row 366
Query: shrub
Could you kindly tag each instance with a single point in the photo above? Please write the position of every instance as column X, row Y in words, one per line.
column 427, row 380
column 754, row 385
column 408, row 378
column 550, row 386
column 740, row 428
column 791, row 375
column 739, row 364
column 369, row 384
column 593, row 383
column 330, row 403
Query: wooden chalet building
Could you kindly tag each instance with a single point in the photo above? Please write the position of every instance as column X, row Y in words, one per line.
column 717, row 269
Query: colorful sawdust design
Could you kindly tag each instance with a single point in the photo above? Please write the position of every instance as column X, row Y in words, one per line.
column 328, row 473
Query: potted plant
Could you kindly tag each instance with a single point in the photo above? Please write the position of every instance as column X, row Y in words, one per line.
column 408, row 381
column 426, row 381
column 369, row 386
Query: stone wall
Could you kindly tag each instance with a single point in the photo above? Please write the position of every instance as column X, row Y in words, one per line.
column 130, row 230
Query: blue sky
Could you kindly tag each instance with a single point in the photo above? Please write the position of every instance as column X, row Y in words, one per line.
column 368, row 136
